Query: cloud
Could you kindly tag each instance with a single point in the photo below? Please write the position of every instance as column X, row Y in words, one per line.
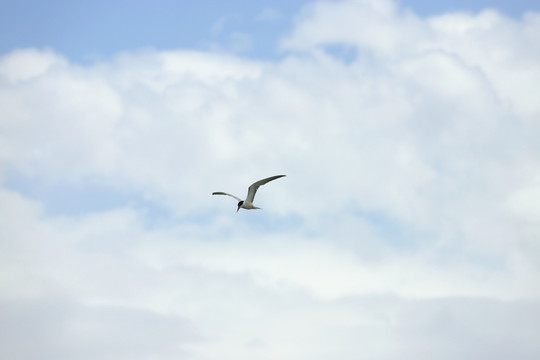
column 102, row 286
column 27, row 64
column 407, row 221
column 54, row 328
column 268, row 14
column 231, row 42
column 219, row 25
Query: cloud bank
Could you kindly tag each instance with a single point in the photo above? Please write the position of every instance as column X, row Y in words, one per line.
column 408, row 225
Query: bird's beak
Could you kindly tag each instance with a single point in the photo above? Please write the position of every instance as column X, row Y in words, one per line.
column 238, row 209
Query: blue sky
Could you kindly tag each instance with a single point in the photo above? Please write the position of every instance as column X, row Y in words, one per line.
column 102, row 28
column 408, row 223
column 89, row 30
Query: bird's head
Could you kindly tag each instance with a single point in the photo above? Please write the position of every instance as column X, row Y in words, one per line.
column 240, row 203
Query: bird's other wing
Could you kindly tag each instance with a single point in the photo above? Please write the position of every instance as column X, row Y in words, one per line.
column 222, row 193
column 253, row 188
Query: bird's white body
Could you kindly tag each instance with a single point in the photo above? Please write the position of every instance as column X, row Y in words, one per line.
column 252, row 190
column 248, row 206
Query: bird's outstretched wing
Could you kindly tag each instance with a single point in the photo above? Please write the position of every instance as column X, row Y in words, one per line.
column 222, row 193
column 253, row 187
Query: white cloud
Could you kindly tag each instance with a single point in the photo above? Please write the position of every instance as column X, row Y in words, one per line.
column 28, row 64
column 380, row 27
column 407, row 221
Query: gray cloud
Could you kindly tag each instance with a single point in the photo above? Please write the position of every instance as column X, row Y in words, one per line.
column 59, row 329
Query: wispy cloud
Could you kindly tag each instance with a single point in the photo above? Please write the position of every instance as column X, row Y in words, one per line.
column 219, row 25
column 269, row 14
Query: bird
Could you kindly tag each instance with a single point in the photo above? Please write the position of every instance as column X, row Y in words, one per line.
column 248, row 202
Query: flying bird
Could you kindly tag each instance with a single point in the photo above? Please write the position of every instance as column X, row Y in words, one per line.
column 248, row 203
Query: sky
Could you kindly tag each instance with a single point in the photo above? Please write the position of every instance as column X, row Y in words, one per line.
column 407, row 227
